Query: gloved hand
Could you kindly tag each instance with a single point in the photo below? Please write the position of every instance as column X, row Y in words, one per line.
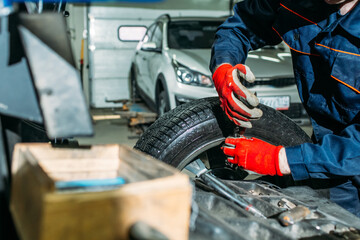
column 253, row 154
column 236, row 100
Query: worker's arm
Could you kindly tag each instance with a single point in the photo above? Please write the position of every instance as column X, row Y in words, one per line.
column 333, row 155
column 249, row 28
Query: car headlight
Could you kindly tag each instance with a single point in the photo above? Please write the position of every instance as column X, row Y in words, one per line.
column 188, row 76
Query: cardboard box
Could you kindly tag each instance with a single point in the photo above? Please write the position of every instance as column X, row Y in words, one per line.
column 154, row 193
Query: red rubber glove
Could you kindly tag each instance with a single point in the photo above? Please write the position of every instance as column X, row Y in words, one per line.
column 236, row 100
column 253, row 154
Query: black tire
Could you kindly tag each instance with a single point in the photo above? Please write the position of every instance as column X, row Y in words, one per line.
column 135, row 96
column 199, row 126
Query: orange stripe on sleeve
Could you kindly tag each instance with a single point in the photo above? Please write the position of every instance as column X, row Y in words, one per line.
column 297, row 14
column 351, row 87
column 337, row 50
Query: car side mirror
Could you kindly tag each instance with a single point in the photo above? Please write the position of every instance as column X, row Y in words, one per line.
column 150, row 47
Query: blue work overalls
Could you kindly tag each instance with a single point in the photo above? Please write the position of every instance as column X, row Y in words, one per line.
column 325, row 48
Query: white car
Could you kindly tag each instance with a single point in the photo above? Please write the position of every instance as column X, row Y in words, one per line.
column 171, row 67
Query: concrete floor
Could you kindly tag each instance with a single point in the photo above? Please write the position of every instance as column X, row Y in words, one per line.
column 111, row 131
column 111, row 128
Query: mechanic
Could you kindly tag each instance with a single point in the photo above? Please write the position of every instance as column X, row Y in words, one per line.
column 324, row 38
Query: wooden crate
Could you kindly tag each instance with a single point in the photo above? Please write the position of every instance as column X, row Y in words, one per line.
column 155, row 193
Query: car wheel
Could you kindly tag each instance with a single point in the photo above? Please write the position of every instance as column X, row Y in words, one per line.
column 197, row 130
column 163, row 104
column 134, row 86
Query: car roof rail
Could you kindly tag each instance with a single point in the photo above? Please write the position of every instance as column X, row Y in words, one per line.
column 165, row 15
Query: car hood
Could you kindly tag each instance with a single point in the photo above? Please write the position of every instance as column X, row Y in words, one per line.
column 264, row 63
column 195, row 59
column 269, row 63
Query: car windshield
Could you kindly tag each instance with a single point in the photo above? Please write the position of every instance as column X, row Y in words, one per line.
column 192, row 34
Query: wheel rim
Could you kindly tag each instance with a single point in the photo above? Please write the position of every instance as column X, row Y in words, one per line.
column 233, row 173
column 198, row 151
column 162, row 104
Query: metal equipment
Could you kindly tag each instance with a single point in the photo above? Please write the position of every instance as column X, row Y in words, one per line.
column 292, row 213
column 198, row 168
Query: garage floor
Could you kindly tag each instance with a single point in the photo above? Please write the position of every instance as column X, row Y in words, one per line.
column 109, row 131
column 109, row 128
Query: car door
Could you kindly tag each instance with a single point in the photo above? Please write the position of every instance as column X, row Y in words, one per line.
column 141, row 61
column 154, row 58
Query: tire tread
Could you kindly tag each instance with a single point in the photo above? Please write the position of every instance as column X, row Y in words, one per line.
column 180, row 130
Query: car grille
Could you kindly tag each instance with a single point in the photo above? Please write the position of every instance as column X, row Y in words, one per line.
column 277, row 82
column 296, row 110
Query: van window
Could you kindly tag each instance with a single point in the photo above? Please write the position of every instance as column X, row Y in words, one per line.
column 131, row 33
